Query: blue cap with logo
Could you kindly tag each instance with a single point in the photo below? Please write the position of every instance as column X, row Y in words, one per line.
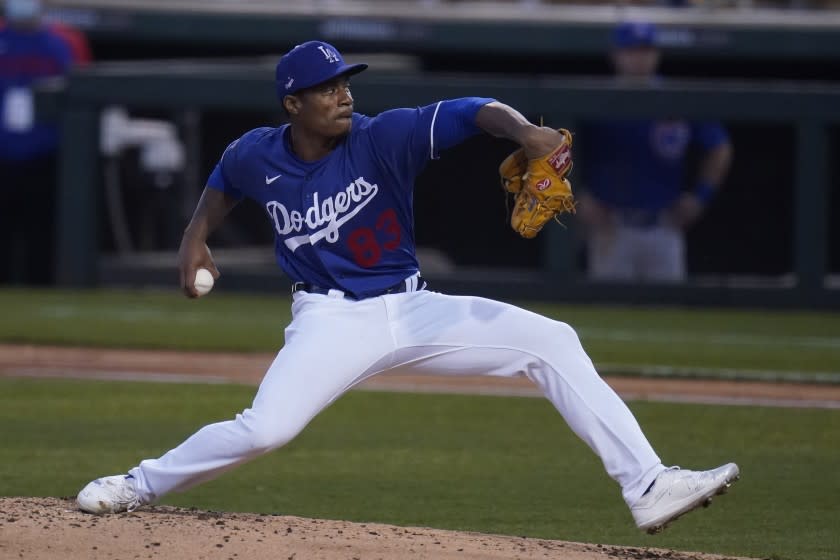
column 634, row 34
column 310, row 64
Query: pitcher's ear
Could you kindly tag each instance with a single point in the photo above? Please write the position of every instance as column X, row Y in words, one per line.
column 292, row 104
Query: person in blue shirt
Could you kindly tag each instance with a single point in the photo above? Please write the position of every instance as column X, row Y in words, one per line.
column 635, row 209
column 337, row 187
column 29, row 52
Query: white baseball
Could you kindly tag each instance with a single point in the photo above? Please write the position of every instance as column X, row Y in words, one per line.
column 203, row 281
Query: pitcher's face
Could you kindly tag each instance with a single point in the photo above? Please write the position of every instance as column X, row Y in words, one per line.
column 325, row 109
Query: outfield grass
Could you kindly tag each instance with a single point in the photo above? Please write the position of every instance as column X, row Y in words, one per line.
column 489, row 464
column 747, row 341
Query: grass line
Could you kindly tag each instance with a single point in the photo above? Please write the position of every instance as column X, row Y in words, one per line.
column 735, row 339
column 719, row 374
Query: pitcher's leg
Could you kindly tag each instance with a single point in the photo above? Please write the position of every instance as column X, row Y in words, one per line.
column 480, row 336
column 222, row 446
column 595, row 412
column 324, row 356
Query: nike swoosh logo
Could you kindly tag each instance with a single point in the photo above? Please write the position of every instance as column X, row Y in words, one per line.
column 269, row 181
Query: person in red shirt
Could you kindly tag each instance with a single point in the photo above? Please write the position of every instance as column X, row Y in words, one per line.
column 30, row 51
column 76, row 40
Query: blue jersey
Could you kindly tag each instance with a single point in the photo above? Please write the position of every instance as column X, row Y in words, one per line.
column 640, row 164
column 25, row 57
column 346, row 221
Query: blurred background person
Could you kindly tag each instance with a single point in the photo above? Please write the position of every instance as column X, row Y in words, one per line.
column 76, row 40
column 634, row 209
column 29, row 51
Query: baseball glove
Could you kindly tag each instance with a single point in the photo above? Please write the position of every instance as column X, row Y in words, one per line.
column 539, row 186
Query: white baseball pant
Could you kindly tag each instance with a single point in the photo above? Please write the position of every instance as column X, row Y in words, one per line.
column 334, row 343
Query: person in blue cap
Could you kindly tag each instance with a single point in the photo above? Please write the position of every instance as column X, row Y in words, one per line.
column 638, row 201
column 337, row 187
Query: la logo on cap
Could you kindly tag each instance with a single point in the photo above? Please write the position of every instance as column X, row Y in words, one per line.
column 310, row 64
column 329, row 54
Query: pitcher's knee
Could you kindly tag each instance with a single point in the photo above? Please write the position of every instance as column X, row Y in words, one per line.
column 561, row 345
column 265, row 434
column 559, row 333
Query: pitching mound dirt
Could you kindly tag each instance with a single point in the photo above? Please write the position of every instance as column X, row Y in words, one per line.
column 53, row 529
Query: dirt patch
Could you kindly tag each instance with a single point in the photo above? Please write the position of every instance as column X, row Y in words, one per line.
column 53, row 529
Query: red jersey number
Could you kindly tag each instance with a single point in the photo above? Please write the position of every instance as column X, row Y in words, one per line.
column 367, row 244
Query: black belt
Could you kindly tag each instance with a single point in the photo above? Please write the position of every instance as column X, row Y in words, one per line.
column 640, row 218
column 410, row 284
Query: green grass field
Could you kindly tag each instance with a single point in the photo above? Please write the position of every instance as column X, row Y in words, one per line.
column 489, row 464
column 749, row 342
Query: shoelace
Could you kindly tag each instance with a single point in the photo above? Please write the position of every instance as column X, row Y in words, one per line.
column 694, row 479
column 653, row 484
column 128, row 497
column 133, row 505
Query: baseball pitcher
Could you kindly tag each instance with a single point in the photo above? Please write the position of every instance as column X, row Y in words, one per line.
column 337, row 188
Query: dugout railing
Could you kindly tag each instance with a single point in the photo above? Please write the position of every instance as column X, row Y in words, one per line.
column 452, row 28
column 809, row 108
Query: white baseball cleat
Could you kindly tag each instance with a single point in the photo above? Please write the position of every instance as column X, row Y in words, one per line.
column 109, row 494
column 676, row 492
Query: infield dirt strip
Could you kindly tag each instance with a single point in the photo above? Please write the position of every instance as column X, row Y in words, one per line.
column 54, row 529
column 218, row 367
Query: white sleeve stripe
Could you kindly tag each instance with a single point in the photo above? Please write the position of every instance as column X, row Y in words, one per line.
column 432, row 132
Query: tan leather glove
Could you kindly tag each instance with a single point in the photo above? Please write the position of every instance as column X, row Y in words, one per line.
column 540, row 186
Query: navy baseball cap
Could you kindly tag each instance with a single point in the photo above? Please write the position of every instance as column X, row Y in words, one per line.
column 310, row 64
column 634, row 34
